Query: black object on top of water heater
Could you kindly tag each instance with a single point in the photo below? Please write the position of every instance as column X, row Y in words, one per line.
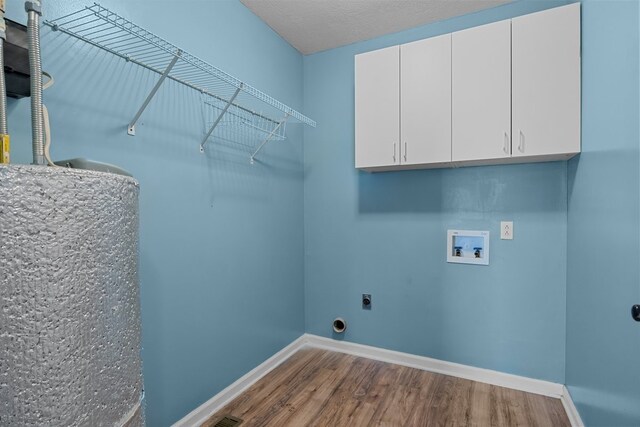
column 16, row 60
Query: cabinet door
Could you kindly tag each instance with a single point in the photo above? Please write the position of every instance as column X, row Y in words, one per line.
column 377, row 102
column 546, row 82
column 425, row 101
column 481, row 104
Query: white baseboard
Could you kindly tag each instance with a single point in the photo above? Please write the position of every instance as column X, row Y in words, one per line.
column 530, row 385
column 570, row 408
column 217, row 402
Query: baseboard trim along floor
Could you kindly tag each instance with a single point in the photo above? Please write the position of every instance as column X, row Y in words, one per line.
column 530, row 385
column 217, row 402
column 570, row 408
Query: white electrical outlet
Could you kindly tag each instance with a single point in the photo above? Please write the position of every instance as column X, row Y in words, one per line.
column 506, row 230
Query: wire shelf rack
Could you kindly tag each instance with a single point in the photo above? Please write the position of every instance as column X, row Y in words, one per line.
column 234, row 105
column 238, row 126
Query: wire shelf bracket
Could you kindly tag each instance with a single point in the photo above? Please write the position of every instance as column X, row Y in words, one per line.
column 215, row 124
column 268, row 138
column 239, row 108
column 131, row 129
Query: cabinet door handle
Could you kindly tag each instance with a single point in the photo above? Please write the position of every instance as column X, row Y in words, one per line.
column 521, row 144
column 405, row 152
column 506, row 147
column 394, row 152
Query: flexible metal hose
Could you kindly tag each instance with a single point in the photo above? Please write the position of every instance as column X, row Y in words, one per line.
column 3, row 86
column 35, row 68
column 3, row 90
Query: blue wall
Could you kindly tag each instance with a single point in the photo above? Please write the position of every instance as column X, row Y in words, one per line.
column 224, row 258
column 603, row 342
column 221, row 263
column 384, row 234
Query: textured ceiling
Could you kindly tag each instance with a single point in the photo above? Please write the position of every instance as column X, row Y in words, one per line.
column 315, row 25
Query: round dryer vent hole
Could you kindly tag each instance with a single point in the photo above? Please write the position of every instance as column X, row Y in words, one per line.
column 339, row 325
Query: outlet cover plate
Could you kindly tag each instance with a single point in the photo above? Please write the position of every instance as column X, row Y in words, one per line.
column 506, row 230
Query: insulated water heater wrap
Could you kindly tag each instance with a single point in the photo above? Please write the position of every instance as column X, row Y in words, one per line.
column 69, row 298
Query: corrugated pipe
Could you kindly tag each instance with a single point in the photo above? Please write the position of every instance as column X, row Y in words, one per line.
column 34, row 11
column 3, row 88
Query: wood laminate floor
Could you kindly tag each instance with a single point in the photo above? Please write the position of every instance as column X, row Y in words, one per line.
column 322, row 388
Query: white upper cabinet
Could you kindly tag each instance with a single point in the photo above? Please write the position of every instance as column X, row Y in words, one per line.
column 403, row 105
column 546, row 82
column 425, row 101
column 506, row 92
column 377, row 101
column 482, row 92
